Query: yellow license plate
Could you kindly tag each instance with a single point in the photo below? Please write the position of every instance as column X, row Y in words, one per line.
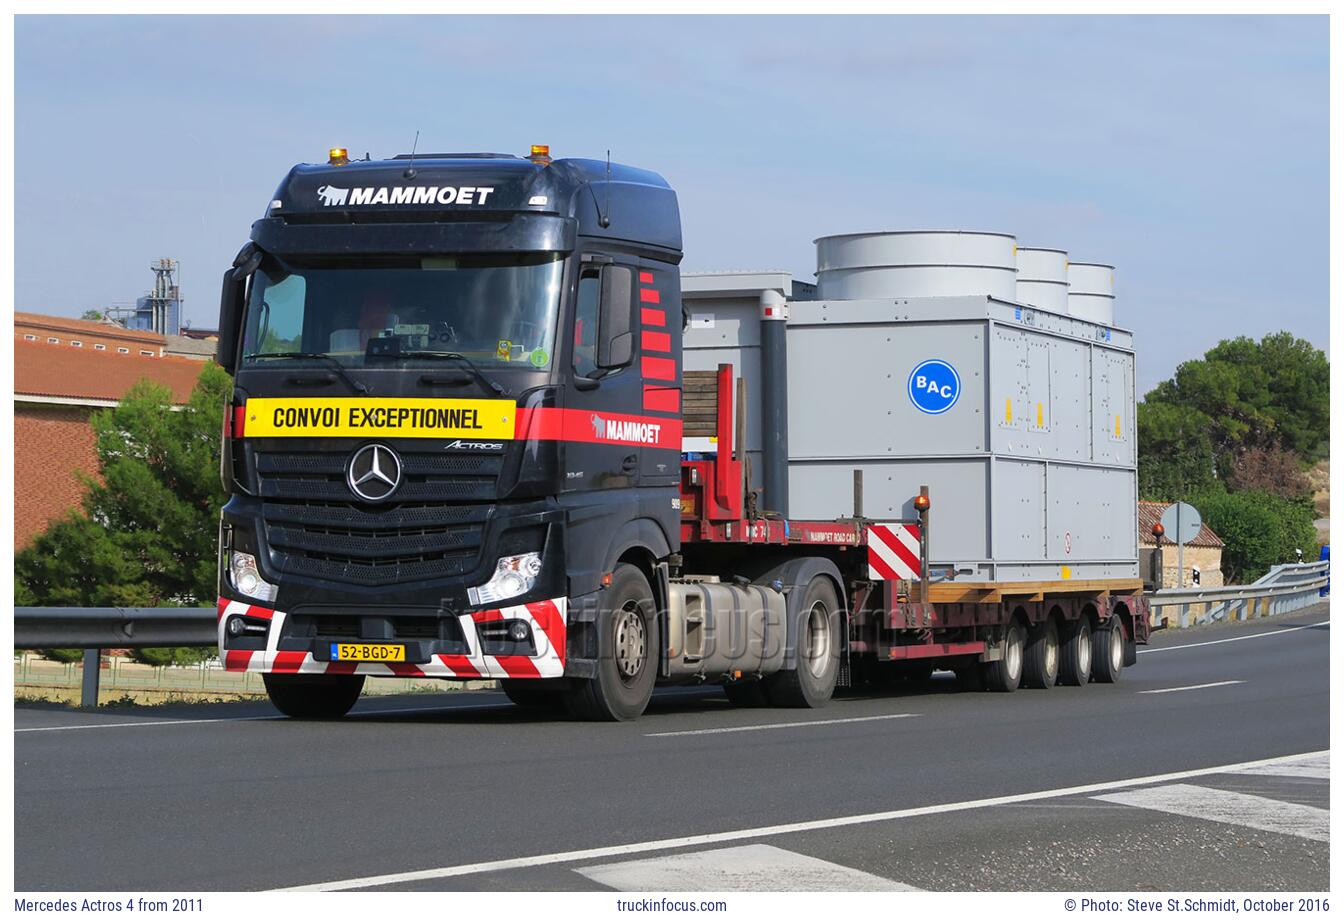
column 342, row 651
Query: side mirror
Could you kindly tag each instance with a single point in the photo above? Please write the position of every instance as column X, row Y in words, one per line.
column 231, row 301
column 230, row 316
column 616, row 345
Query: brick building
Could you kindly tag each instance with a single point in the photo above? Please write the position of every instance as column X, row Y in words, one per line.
column 100, row 336
column 1205, row 551
column 56, row 389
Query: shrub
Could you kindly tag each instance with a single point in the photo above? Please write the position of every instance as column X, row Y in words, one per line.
column 1259, row 530
column 63, row 655
column 159, row 657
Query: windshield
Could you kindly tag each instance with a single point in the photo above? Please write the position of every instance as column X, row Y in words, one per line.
column 496, row 310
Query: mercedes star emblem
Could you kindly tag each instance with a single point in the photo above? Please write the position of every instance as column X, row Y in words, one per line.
column 375, row 472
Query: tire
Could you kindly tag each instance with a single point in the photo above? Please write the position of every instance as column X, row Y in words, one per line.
column 627, row 653
column 1108, row 651
column 313, row 696
column 545, row 693
column 810, row 684
column 1041, row 665
column 746, row 694
column 1005, row 675
column 1075, row 653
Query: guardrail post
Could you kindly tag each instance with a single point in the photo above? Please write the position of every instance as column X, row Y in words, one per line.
column 88, row 694
column 1183, row 619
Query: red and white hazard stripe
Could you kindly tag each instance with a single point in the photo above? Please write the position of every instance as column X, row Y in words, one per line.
column 893, row 552
column 547, row 619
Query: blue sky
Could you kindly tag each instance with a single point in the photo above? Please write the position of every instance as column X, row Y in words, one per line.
column 1191, row 152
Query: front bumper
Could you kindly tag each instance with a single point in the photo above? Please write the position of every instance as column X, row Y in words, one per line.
column 279, row 652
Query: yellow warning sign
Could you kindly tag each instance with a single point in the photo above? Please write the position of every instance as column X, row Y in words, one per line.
column 361, row 417
column 1117, row 427
column 1008, row 411
column 1065, row 572
column 1040, row 415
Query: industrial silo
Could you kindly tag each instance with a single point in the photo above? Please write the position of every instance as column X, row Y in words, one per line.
column 1092, row 292
column 916, row 263
column 1043, row 278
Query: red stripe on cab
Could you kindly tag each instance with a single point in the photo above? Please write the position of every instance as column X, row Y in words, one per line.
column 662, row 399
column 657, row 341
column 646, row 277
column 652, row 317
column 658, row 368
column 648, row 295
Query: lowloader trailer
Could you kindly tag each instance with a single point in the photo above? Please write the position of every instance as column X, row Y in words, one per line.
column 477, row 432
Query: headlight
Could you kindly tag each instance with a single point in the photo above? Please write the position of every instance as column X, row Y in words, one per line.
column 514, row 576
column 246, row 579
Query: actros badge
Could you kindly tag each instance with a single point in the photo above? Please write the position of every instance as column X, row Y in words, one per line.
column 375, row 472
column 934, row 386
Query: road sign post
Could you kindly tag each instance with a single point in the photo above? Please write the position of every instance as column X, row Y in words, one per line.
column 1181, row 523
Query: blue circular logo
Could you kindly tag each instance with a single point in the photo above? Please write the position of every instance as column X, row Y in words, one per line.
column 934, row 386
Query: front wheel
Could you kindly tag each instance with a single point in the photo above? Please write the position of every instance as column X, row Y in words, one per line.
column 313, row 696
column 627, row 644
column 812, row 681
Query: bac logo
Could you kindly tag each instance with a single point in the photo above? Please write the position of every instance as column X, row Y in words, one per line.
column 934, row 386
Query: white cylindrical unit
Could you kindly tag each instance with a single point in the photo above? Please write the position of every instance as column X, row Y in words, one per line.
column 916, row 263
column 1043, row 278
column 1092, row 292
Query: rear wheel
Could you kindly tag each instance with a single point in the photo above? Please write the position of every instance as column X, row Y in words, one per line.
column 812, row 681
column 1042, row 661
column 627, row 636
column 1108, row 651
column 313, row 696
column 1075, row 654
column 1005, row 675
column 534, row 694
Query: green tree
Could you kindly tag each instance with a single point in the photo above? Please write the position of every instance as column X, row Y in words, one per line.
column 94, row 315
column 1243, row 395
column 1259, row 530
column 147, row 533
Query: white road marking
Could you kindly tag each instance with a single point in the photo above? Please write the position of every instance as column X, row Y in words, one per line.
column 1263, row 635
column 1221, row 683
column 751, row 833
column 147, row 722
column 767, row 726
column 755, row 867
column 1230, row 808
column 1314, row 768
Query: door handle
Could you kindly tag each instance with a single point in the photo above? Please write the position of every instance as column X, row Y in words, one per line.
column 629, row 463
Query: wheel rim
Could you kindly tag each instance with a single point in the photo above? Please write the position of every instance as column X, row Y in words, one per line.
column 1084, row 652
column 1051, row 653
column 1013, row 654
column 819, row 638
column 630, row 641
column 1117, row 650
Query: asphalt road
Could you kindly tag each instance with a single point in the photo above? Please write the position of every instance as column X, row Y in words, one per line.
column 1101, row 788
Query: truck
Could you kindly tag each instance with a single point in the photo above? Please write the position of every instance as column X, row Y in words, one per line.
column 472, row 437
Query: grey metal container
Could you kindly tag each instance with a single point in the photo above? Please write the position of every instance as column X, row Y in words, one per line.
column 1092, row 291
column 1031, row 468
column 916, row 263
column 1043, row 278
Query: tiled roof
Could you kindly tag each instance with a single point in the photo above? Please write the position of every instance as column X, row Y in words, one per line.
column 1151, row 512
column 77, row 373
column 70, row 326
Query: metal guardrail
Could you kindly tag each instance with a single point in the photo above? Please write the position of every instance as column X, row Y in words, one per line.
column 1283, row 589
column 96, row 628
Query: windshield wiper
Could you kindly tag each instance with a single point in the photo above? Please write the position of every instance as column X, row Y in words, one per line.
column 456, row 356
column 337, row 366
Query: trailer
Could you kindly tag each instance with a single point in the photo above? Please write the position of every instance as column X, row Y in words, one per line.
column 483, row 427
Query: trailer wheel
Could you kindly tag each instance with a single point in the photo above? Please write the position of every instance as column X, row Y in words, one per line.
column 627, row 637
column 810, row 684
column 1005, row 675
column 746, row 694
column 1108, row 651
column 313, row 696
column 1075, row 654
column 1042, row 659
column 546, row 693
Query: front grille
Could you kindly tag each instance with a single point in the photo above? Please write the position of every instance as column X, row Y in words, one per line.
column 431, row 529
